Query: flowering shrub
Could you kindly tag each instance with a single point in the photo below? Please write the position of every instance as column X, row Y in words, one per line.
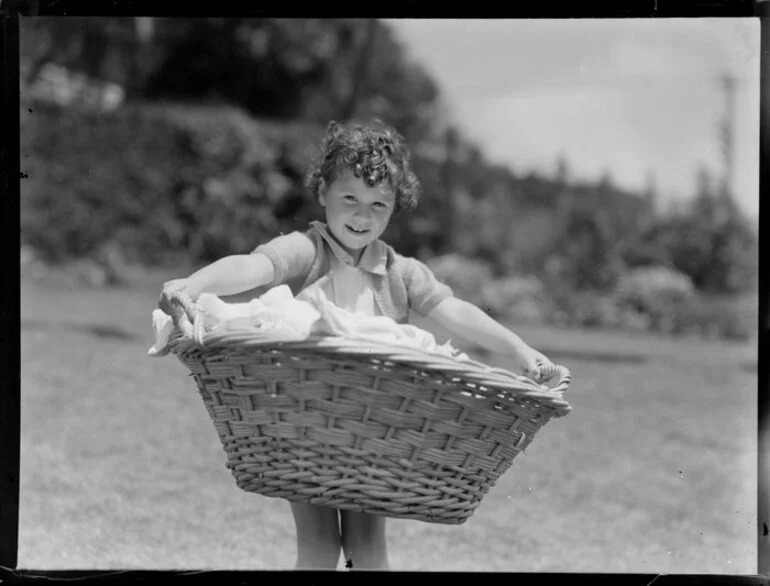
column 161, row 179
column 595, row 310
column 520, row 298
column 727, row 317
column 467, row 277
column 657, row 295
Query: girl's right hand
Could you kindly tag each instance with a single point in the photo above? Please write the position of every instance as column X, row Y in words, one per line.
column 172, row 289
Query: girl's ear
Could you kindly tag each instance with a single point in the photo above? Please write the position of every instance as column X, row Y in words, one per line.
column 322, row 192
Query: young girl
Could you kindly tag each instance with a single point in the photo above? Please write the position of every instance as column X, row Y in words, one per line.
column 362, row 179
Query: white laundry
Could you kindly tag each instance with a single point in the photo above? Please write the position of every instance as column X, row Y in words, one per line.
column 163, row 327
column 281, row 316
column 339, row 322
column 276, row 313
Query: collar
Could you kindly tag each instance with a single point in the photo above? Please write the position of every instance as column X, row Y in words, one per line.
column 373, row 260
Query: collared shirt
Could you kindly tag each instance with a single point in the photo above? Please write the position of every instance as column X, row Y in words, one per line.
column 351, row 286
column 373, row 259
column 398, row 283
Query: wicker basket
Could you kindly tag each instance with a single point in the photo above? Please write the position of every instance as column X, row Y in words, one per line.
column 365, row 427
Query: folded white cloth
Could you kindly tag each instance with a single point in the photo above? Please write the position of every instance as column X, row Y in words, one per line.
column 163, row 327
column 276, row 313
column 339, row 322
column 283, row 317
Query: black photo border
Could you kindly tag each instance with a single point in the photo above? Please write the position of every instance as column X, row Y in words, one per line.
column 10, row 177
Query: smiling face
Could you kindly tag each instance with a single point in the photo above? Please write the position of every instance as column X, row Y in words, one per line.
column 356, row 213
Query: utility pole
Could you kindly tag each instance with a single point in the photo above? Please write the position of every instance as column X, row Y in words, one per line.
column 727, row 133
column 651, row 195
column 140, row 52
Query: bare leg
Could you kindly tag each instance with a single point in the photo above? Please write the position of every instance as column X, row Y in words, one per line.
column 363, row 541
column 318, row 536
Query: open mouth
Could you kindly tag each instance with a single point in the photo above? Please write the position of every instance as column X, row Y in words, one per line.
column 357, row 232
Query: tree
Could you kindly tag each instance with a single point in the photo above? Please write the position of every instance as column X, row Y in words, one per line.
column 360, row 74
column 710, row 240
column 586, row 245
column 82, row 44
column 562, row 170
column 650, row 193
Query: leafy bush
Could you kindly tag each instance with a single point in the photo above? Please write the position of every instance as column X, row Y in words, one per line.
column 657, row 292
column 467, row 277
column 523, row 299
column 729, row 317
column 520, row 298
column 663, row 299
column 595, row 310
column 154, row 180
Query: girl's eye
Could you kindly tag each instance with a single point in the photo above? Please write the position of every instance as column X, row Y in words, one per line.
column 349, row 198
column 380, row 205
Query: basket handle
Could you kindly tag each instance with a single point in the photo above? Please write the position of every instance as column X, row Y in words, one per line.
column 564, row 380
column 547, row 373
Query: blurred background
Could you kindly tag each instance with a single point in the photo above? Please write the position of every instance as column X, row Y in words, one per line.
column 589, row 173
column 593, row 184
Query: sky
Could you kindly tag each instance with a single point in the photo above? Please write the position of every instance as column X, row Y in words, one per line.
column 632, row 97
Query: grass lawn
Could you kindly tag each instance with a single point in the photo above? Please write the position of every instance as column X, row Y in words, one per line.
column 654, row 471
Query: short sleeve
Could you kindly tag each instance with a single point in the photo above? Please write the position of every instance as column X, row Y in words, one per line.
column 424, row 290
column 292, row 256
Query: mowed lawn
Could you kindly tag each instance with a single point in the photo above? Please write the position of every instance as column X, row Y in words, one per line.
column 654, row 471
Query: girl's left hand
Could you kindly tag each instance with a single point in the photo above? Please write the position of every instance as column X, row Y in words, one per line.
column 533, row 363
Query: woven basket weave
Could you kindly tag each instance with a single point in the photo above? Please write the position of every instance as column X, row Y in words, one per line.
column 362, row 426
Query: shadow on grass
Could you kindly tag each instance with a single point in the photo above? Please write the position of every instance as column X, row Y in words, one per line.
column 102, row 331
column 594, row 356
column 751, row 367
column 559, row 355
column 105, row 331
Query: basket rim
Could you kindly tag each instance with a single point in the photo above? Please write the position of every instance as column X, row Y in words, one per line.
column 469, row 370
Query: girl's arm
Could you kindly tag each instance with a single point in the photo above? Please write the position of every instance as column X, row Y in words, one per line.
column 231, row 275
column 283, row 257
column 228, row 276
column 471, row 323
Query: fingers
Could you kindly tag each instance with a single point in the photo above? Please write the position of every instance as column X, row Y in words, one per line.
column 546, row 370
column 532, row 370
column 541, row 368
column 169, row 301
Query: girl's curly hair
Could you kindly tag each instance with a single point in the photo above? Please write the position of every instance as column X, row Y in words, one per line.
column 373, row 154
